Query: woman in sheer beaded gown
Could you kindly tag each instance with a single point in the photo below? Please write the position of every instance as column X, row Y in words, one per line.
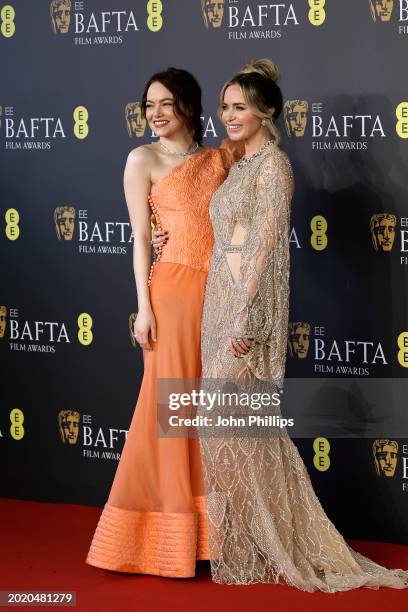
column 265, row 522
column 154, row 521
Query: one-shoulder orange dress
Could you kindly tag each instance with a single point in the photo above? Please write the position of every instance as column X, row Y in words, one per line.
column 154, row 521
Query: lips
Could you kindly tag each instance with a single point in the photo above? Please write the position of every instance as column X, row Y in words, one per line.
column 234, row 127
column 160, row 124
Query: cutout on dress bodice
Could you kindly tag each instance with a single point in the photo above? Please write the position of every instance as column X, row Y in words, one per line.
column 233, row 251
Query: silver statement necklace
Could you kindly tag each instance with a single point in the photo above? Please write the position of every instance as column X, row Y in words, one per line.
column 245, row 160
column 183, row 154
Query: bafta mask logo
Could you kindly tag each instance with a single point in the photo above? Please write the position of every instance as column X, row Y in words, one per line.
column 60, row 11
column 381, row 9
column 295, row 117
column 382, row 227
column 64, row 219
column 3, row 320
column 299, row 339
column 385, row 455
column 136, row 123
column 68, row 421
column 132, row 319
column 213, row 13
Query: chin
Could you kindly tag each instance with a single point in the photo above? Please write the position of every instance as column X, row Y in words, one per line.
column 235, row 137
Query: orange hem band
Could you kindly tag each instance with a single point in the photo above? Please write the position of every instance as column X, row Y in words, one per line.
column 159, row 543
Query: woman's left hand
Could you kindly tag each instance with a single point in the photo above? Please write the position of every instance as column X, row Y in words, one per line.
column 239, row 346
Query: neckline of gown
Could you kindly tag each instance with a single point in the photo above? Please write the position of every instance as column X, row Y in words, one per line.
column 265, row 152
column 174, row 169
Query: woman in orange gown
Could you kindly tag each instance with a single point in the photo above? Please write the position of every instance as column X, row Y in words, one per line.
column 154, row 521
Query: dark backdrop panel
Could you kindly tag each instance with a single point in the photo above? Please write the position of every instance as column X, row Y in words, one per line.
column 344, row 64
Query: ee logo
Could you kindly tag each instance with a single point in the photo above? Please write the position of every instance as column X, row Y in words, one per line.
column 154, row 19
column 318, row 239
column 85, row 335
column 81, row 127
column 12, row 229
column 8, row 27
column 16, row 427
column 402, row 123
column 321, row 459
column 403, row 349
column 317, row 14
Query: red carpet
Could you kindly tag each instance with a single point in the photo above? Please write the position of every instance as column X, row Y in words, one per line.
column 43, row 547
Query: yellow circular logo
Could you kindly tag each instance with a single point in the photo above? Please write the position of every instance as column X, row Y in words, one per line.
column 85, row 335
column 12, row 229
column 8, row 27
column 321, row 459
column 81, row 128
column 16, row 427
column 318, row 239
column 154, row 19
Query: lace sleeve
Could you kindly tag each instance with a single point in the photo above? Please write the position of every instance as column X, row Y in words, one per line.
column 260, row 308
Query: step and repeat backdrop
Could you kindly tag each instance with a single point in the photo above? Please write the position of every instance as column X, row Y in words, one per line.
column 72, row 76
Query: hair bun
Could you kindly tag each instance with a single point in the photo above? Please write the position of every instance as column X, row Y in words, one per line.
column 265, row 67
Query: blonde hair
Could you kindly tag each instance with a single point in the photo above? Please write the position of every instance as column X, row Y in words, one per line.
column 258, row 83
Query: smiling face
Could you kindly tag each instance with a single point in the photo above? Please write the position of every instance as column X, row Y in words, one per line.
column 160, row 111
column 240, row 121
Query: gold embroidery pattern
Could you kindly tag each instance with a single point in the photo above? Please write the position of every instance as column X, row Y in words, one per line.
column 266, row 523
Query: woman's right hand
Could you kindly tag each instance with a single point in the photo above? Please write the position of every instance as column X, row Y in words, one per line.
column 159, row 239
column 144, row 325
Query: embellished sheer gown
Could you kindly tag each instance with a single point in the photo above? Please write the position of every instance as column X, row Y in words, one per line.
column 154, row 521
column 265, row 522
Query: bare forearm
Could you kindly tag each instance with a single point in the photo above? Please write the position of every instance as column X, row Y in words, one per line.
column 141, row 268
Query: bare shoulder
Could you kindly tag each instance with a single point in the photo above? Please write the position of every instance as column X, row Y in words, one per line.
column 140, row 162
column 144, row 154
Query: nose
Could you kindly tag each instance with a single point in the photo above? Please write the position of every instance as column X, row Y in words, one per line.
column 229, row 115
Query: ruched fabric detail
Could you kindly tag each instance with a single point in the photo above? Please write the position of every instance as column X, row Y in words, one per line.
column 159, row 543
